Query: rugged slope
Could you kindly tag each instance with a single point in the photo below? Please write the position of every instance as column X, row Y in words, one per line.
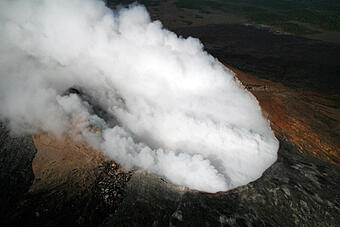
column 309, row 120
column 76, row 184
column 295, row 191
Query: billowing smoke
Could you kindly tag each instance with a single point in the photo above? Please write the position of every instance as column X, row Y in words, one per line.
column 178, row 112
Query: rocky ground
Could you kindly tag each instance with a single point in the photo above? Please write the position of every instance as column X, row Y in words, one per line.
column 293, row 61
column 296, row 191
column 59, row 181
column 307, row 119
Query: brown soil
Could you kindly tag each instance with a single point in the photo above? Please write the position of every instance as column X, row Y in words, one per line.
column 307, row 119
column 62, row 160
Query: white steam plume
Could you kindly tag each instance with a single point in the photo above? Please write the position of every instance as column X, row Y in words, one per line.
column 181, row 114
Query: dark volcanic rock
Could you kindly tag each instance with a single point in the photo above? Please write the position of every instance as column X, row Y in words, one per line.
column 67, row 204
column 16, row 175
column 291, row 60
column 297, row 190
column 110, row 184
column 74, row 185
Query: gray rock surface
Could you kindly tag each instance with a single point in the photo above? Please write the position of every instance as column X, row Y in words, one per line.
column 296, row 191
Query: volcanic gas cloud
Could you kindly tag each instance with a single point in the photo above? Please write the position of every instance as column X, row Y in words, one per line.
column 180, row 113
